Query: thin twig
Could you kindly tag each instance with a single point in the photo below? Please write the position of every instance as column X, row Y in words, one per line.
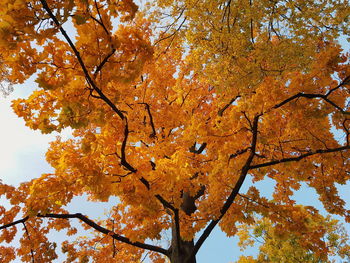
column 27, row 233
column 221, row 111
column 153, row 134
column 81, row 62
column 300, row 157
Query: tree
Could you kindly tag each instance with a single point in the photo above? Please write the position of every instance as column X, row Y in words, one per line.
column 300, row 246
column 172, row 108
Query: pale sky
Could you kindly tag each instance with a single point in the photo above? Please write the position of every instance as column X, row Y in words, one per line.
column 22, row 150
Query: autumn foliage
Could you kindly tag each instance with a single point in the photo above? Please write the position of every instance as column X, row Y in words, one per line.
column 174, row 105
column 277, row 245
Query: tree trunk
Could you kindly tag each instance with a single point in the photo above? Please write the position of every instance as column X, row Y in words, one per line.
column 181, row 251
column 184, row 253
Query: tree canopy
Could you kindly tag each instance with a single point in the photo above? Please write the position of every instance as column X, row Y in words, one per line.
column 172, row 105
column 277, row 245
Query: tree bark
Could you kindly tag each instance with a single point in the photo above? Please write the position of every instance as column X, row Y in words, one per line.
column 181, row 251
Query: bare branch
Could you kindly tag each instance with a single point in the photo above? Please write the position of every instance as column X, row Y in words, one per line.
column 221, row 111
column 21, row 221
column 346, row 130
column 253, row 201
column 81, row 62
column 229, row 201
column 239, row 152
column 172, row 36
column 121, row 176
column 321, row 96
column 153, row 134
column 342, row 83
column 200, row 149
column 107, row 231
column 100, row 22
column 31, row 249
column 95, row 226
column 310, row 96
column 177, row 228
column 251, row 26
column 165, row 203
column 176, row 30
column 113, row 241
column 300, row 157
column 124, row 162
column 104, row 61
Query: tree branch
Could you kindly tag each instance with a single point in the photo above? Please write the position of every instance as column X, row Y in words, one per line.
column 229, row 201
column 298, row 158
column 80, row 60
column 177, row 228
column 321, row 96
column 107, row 232
column 165, row 203
column 31, row 249
column 311, row 96
column 345, row 81
column 104, row 61
column 221, row 111
column 153, row 134
column 21, row 221
column 128, row 166
column 124, row 162
column 96, row 227
column 252, row 200
column 103, row 97
column 100, row 22
column 239, row 152
column 200, row 149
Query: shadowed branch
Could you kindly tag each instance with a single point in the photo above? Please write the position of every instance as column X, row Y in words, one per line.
column 298, row 158
column 95, row 226
column 229, row 201
column 321, row 96
column 81, row 62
